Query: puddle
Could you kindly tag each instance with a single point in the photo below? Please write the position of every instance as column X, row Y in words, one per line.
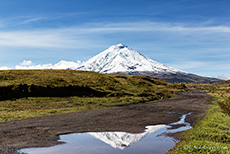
column 153, row 140
column 184, row 125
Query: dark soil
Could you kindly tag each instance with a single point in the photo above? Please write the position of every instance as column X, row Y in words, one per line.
column 44, row 131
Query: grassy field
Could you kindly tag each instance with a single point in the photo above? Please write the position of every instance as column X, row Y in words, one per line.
column 30, row 93
column 212, row 134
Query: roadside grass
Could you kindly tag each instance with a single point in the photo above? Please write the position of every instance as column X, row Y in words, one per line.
column 219, row 90
column 211, row 135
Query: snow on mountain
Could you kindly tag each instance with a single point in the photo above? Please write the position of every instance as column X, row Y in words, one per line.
column 122, row 140
column 121, row 58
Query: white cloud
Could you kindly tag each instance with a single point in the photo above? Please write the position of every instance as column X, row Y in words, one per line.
column 184, row 65
column 83, row 36
column 60, row 65
column 4, row 68
column 223, row 77
column 202, row 65
column 32, row 20
column 154, row 26
column 26, row 63
column 52, row 38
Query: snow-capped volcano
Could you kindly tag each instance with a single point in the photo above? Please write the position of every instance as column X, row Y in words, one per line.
column 121, row 58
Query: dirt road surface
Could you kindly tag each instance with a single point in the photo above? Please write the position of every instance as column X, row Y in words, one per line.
column 44, row 131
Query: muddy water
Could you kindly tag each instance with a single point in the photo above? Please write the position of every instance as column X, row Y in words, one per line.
column 153, row 140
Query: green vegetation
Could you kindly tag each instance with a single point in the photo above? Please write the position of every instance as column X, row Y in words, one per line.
column 31, row 93
column 220, row 91
column 212, row 134
column 39, row 106
column 225, row 105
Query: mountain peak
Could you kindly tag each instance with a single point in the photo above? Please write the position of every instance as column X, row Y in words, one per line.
column 117, row 48
column 121, row 58
column 120, row 45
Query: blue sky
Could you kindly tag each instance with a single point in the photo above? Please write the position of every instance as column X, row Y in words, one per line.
column 191, row 35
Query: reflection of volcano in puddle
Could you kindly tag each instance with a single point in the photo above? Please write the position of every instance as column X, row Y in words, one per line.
column 122, row 140
column 153, row 140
